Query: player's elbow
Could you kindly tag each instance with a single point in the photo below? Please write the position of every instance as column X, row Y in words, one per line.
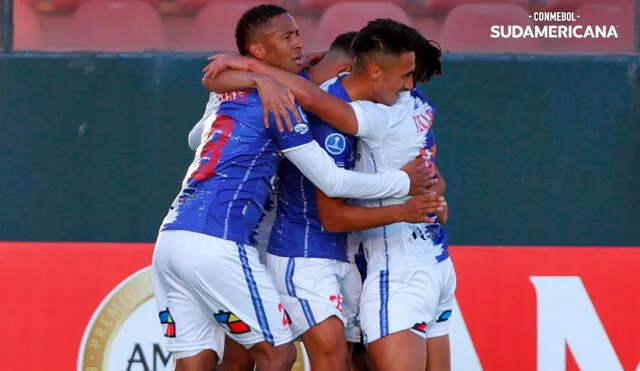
column 331, row 192
column 328, row 186
column 205, row 83
column 212, row 85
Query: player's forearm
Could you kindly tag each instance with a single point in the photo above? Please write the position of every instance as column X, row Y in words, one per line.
column 232, row 80
column 322, row 171
column 335, row 111
column 349, row 218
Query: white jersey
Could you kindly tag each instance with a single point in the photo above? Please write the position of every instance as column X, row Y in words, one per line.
column 391, row 137
column 210, row 114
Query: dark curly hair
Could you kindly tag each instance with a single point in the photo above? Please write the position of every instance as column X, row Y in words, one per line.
column 428, row 55
column 252, row 19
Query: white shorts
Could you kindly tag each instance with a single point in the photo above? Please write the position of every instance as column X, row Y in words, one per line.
column 314, row 289
column 206, row 287
column 419, row 299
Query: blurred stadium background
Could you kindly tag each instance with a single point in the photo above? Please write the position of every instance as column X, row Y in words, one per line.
column 538, row 139
column 205, row 25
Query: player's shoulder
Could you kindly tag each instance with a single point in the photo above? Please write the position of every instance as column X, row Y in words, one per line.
column 371, row 107
column 420, row 96
column 327, row 84
column 240, row 104
column 239, row 97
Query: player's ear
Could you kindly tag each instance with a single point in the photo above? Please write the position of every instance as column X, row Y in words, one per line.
column 344, row 67
column 374, row 70
column 257, row 50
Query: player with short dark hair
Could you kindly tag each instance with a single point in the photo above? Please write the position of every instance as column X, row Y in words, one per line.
column 336, row 60
column 385, row 70
column 207, row 275
column 314, row 275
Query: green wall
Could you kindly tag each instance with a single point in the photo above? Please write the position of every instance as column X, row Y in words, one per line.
column 536, row 150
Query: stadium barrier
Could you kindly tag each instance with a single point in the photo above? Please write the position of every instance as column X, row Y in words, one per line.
column 536, row 150
column 90, row 307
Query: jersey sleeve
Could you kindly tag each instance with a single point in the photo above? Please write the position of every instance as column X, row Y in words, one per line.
column 373, row 120
column 315, row 164
column 343, row 158
column 195, row 135
column 338, row 145
column 431, row 145
column 288, row 140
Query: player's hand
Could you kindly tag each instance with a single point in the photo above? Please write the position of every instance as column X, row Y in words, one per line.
column 418, row 208
column 278, row 100
column 312, row 58
column 222, row 61
column 421, row 176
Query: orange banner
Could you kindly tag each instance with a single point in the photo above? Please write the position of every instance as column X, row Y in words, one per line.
column 89, row 306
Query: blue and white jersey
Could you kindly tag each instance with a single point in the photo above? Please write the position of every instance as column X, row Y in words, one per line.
column 226, row 189
column 298, row 231
column 390, row 147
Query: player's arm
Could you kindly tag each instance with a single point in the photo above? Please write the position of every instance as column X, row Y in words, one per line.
column 440, row 187
column 231, row 80
column 316, row 164
column 195, row 135
column 337, row 216
column 276, row 98
column 333, row 110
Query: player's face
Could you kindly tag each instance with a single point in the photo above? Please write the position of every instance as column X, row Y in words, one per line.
column 282, row 44
column 393, row 75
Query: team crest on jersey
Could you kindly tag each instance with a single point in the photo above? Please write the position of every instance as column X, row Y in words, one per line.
column 231, row 322
column 335, row 143
column 168, row 324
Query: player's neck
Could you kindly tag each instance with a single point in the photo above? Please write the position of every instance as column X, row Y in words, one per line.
column 320, row 73
column 323, row 70
column 358, row 86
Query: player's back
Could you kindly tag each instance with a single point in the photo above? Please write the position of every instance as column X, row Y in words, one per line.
column 409, row 135
column 298, row 231
column 227, row 186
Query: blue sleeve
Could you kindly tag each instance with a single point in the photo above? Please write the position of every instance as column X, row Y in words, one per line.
column 290, row 139
column 339, row 146
column 431, row 144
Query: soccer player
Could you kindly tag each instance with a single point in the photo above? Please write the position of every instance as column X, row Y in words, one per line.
column 207, row 277
column 328, row 290
column 433, row 322
column 324, row 66
column 195, row 135
column 337, row 59
column 388, row 137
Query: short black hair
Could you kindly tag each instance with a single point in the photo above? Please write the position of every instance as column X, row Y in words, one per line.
column 383, row 36
column 428, row 53
column 253, row 18
column 343, row 42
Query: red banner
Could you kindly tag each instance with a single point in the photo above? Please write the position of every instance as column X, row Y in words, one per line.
column 89, row 306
